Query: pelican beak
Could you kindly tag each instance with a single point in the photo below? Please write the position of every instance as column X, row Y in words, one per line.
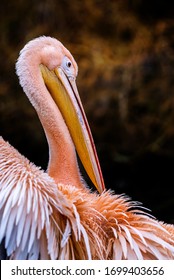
column 64, row 92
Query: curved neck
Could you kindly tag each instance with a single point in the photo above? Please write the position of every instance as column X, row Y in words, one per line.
column 62, row 166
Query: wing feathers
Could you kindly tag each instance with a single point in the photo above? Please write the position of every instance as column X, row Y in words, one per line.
column 25, row 208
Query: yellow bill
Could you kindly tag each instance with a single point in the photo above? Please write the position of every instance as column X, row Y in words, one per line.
column 64, row 92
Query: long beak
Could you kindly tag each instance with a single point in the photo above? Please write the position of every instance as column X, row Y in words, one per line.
column 64, row 92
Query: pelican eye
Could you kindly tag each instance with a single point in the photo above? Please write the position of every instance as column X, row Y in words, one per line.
column 67, row 66
column 66, row 63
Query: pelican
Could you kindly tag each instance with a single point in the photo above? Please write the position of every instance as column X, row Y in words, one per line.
column 53, row 214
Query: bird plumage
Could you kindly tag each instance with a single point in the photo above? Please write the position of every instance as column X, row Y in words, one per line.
column 48, row 216
column 37, row 220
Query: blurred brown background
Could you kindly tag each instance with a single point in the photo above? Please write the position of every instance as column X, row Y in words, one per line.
column 125, row 53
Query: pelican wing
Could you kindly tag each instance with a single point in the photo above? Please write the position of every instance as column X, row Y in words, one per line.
column 26, row 207
column 36, row 220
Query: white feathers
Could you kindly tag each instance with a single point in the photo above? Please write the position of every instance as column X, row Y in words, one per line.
column 66, row 234
column 25, row 210
column 123, row 244
column 36, row 220
column 86, row 241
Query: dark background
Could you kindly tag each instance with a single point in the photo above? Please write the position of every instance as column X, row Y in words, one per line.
column 125, row 53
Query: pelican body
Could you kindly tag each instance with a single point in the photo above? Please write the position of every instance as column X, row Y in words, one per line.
column 53, row 214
